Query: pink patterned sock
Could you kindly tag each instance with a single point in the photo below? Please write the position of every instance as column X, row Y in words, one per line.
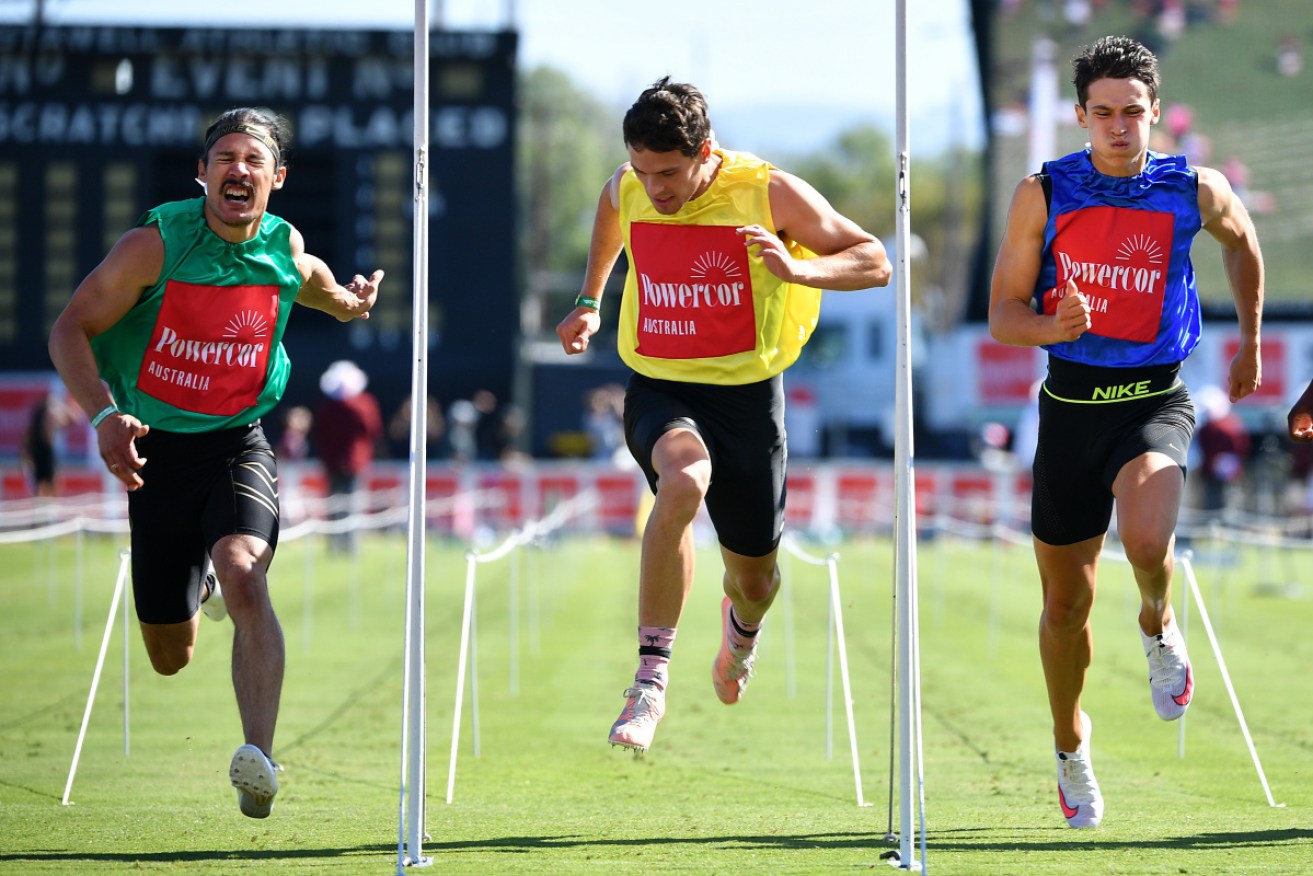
column 654, row 645
column 741, row 634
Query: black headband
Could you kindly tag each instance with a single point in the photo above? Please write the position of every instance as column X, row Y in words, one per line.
column 250, row 130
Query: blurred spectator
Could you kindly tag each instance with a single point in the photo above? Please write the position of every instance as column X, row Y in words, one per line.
column 513, row 425
column 1026, row 437
column 347, row 428
column 1224, row 445
column 1180, row 119
column 294, row 446
column 489, row 440
column 486, row 429
column 1171, row 19
column 1290, row 56
column 464, row 417
column 1237, row 174
column 802, row 421
column 604, row 422
column 399, row 429
column 49, row 415
column 294, row 443
column 1197, row 148
column 1077, row 12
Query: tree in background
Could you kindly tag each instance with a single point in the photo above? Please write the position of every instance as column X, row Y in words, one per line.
column 858, row 176
column 569, row 144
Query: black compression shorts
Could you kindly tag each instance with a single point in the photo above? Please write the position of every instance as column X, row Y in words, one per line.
column 198, row 488
column 743, row 429
column 1092, row 421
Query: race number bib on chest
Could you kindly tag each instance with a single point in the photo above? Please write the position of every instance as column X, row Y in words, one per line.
column 209, row 351
column 694, row 291
column 1119, row 260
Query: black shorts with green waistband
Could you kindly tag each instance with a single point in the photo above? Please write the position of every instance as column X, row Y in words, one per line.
column 1092, row 421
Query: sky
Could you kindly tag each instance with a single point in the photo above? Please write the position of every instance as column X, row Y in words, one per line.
column 778, row 74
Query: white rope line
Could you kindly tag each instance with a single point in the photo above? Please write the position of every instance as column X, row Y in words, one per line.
column 50, row 525
column 39, row 519
column 790, row 544
column 536, row 529
column 1188, row 568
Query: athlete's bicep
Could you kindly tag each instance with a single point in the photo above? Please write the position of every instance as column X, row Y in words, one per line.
column 116, row 284
column 1221, row 212
column 802, row 214
column 1016, row 268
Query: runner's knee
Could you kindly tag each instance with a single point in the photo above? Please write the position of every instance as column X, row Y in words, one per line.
column 169, row 646
column 1145, row 550
column 681, row 491
column 755, row 585
column 1067, row 611
column 245, row 590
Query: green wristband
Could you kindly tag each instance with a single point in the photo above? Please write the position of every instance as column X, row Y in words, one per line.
column 107, row 411
column 585, row 301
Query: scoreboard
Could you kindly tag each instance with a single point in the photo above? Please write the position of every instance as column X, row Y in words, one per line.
column 97, row 124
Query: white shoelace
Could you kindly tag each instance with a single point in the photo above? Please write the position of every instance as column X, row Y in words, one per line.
column 741, row 666
column 1166, row 667
column 1077, row 779
column 645, row 702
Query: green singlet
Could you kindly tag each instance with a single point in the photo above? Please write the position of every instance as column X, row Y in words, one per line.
column 202, row 348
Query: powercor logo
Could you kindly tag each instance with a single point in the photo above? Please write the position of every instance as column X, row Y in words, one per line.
column 209, row 351
column 1116, row 277
column 235, row 353
column 1119, row 259
column 703, row 291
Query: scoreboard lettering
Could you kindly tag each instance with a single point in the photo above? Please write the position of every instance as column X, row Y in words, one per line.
column 112, row 119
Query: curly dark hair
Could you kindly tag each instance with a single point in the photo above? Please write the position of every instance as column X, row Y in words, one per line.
column 1114, row 57
column 667, row 117
column 263, row 124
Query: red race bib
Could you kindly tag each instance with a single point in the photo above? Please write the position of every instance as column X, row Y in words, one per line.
column 209, row 352
column 694, row 291
column 1118, row 258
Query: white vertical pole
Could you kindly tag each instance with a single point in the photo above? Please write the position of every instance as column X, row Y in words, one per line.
column 832, row 564
column 77, row 590
column 829, row 680
column 95, row 676
column 127, row 731
column 790, row 654
column 513, row 619
column 909, row 667
column 466, row 625
column 1183, row 623
column 411, row 828
column 1043, row 141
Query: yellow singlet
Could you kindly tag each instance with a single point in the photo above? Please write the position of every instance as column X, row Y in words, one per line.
column 697, row 306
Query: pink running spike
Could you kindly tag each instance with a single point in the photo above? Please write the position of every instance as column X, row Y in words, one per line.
column 731, row 670
column 644, row 707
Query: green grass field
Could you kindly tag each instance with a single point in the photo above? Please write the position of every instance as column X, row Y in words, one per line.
column 747, row 789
